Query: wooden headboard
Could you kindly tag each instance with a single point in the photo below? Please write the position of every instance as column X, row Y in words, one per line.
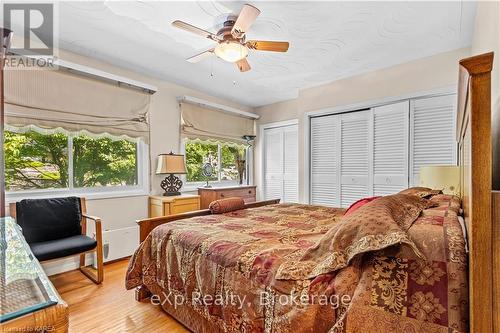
column 475, row 159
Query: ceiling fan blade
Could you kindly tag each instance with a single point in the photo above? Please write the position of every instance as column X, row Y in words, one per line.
column 247, row 16
column 200, row 56
column 195, row 30
column 243, row 65
column 263, row 45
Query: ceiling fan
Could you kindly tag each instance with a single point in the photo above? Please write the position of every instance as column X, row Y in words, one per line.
column 232, row 45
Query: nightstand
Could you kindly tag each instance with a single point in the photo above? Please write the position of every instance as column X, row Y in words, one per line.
column 163, row 205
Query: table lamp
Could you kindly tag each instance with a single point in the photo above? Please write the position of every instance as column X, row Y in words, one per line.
column 171, row 164
column 441, row 177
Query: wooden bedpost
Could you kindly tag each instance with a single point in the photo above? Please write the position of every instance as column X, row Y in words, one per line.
column 475, row 160
column 496, row 261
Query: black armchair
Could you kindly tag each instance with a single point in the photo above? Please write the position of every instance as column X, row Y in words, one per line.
column 57, row 228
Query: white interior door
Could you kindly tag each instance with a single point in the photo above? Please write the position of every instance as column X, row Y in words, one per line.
column 432, row 133
column 355, row 156
column 281, row 163
column 325, row 161
column 273, row 163
column 390, row 148
column 290, row 164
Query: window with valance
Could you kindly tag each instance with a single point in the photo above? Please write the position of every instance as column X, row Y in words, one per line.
column 215, row 137
column 71, row 133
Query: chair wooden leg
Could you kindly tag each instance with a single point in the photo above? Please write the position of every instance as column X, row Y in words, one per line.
column 97, row 276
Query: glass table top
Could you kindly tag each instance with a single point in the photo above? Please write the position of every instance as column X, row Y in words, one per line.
column 24, row 287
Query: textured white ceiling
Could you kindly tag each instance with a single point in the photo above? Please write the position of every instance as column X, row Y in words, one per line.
column 328, row 40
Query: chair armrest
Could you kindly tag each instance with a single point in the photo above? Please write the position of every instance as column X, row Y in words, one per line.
column 97, row 220
column 98, row 227
column 93, row 218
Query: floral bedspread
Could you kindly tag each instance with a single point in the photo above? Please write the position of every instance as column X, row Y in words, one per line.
column 221, row 269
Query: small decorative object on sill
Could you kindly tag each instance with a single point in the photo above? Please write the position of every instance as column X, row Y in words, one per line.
column 240, row 166
column 249, row 139
column 207, row 170
column 171, row 164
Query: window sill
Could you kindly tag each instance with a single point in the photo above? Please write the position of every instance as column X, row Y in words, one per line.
column 193, row 187
column 89, row 194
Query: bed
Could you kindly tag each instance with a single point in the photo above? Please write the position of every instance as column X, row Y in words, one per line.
column 259, row 269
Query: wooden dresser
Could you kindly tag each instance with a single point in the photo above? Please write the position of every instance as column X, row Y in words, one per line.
column 207, row 195
column 164, row 206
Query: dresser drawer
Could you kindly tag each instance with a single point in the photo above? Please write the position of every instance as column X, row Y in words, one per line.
column 165, row 205
column 185, row 205
column 242, row 193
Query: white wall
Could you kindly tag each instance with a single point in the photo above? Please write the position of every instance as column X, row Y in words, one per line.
column 486, row 39
column 426, row 74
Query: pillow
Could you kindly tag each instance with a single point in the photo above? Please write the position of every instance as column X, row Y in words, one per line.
column 226, row 205
column 382, row 223
column 423, row 192
column 447, row 201
column 358, row 204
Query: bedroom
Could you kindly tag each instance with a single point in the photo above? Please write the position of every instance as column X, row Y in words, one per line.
column 356, row 100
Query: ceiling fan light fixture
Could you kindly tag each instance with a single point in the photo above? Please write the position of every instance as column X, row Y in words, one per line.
column 231, row 51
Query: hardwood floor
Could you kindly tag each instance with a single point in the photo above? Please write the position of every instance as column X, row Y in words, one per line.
column 109, row 307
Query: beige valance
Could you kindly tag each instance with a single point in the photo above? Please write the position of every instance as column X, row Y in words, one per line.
column 202, row 123
column 59, row 99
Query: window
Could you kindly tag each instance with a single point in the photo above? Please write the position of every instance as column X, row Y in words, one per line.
column 35, row 161
column 104, row 162
column 224, row 158
column 44, row 160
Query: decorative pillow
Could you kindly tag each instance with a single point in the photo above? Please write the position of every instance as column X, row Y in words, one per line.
column 358, row 204
column 382, row 223
column 423, row 192
column 226, row 205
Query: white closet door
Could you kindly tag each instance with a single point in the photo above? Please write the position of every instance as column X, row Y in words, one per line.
column 433, row 142
column 325, row 161
column 355, row 151
column 281, row 176
column 390, row 148
column 290, row 164
column 273, row 163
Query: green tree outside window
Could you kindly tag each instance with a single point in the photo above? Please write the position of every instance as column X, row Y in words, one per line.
column 201, row 152
column 40, row 161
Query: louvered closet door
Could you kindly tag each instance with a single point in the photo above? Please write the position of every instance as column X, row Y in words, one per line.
column 390, row 148
column 355, row 162
column 273, row 163
column 433, row 142
column 325, row 161
column 290, row 164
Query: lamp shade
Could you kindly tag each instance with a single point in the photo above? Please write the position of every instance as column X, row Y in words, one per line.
column 170, row 163
column 441, row 177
